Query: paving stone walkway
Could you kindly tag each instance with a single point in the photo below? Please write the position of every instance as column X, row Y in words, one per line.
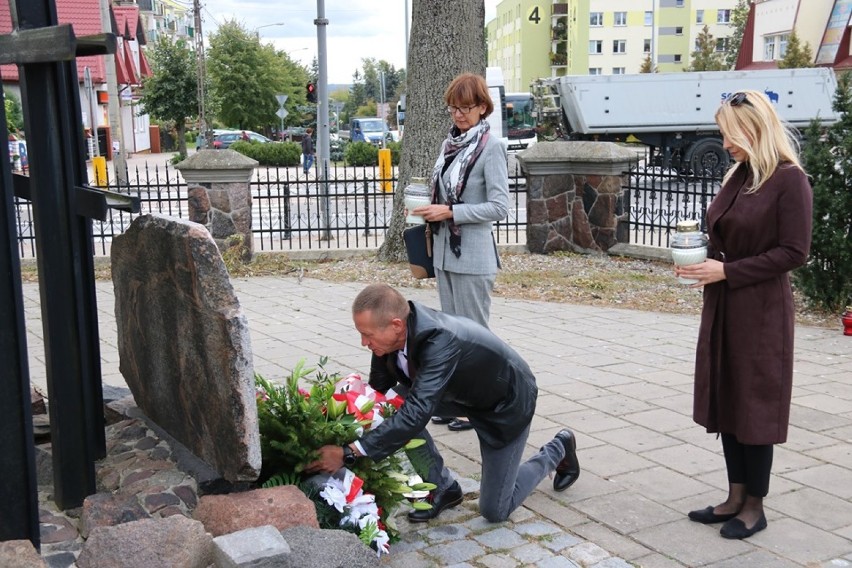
column 623, row 381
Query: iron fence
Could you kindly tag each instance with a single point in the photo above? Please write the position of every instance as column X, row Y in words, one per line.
column 290, row 211
column 657, row 199
column 352, row 209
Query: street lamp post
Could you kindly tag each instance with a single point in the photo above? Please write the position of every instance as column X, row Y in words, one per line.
column 257, row 34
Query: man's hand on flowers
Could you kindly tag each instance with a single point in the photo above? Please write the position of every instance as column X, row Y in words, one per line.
column 330, row 460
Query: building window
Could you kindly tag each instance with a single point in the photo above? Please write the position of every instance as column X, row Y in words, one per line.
column 722, row 44
column 596, row 19
column 679, row 30
column 677, row 58
column 679, row 4
column 723, row 17
column 699, row 16
column 594, row 71
column 620, row 18
column 619, row 46
column 782, row 45
column 618, row 70
column 646, row 48
column 649, row 18
column 596, row 46
column 769, row 48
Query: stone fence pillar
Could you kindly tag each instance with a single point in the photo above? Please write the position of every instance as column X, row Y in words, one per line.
column 575, row 199
column 219, row 195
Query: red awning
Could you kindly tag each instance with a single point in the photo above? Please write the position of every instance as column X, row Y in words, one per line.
column 144, row 67
column 120, row 69
column 130, row 66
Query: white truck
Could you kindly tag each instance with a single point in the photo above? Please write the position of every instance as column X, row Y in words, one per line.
column 674, row 112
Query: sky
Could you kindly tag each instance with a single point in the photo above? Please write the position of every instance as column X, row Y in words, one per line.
column 357, row 29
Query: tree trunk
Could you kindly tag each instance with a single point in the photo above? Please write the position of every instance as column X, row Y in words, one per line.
column 447, row 38
column 180, row 127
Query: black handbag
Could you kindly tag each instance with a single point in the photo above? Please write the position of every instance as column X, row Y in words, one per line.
column 418, row 245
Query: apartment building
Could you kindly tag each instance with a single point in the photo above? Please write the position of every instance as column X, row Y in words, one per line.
column 519, row 40
column 601, row 37
column 170, row 18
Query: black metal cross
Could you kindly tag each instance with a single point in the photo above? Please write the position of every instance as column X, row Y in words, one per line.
column 63, row 207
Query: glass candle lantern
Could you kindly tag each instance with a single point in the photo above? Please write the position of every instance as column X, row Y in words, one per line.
column 416, row 194
column 846, row 319
column 689, row 246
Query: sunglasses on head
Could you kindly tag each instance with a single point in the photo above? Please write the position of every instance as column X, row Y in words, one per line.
column 738, row 99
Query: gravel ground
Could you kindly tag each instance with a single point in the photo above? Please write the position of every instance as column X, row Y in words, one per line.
column 570, row 278
column 593, row 280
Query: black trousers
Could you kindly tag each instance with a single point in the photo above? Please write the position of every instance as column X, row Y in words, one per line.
column 748, row 464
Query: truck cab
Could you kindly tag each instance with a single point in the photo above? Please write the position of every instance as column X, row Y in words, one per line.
column 368, row 129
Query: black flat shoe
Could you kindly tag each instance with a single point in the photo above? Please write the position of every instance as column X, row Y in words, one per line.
column 459, row 425
column 567, row 470
column 708, row 517
column 441, row 420
column 736, row 529
column 449, row 497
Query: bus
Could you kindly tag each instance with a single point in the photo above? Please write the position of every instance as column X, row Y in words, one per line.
column 515, row 122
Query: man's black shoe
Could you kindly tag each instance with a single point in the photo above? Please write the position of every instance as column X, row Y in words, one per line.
column 568, row 470
column 459, row 425
column 441, row 420
column 440, row 500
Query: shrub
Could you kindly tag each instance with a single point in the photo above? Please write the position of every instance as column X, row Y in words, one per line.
column 396, row 152
column 825, row 280
column 280, row 154
column 337, row 150
column 361, row 154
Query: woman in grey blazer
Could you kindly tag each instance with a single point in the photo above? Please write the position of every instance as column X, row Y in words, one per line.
column 470, row 191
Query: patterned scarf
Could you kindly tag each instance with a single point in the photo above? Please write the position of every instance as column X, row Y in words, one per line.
column 458, row 152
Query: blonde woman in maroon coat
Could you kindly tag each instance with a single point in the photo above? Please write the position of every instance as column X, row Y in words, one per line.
column 760, row 229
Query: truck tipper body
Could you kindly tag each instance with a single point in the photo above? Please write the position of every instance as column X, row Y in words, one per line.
column 674, row 112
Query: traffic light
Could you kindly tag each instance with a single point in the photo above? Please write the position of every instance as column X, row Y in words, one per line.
column 311, row 92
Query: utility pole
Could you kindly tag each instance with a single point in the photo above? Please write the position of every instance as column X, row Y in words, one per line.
column 202, row 76
column 323, row 145
column 119, row 163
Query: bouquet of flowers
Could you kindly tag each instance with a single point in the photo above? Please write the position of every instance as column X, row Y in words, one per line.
column 307, row 412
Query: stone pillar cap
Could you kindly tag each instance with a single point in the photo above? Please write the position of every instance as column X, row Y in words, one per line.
column 216, row 166
column 602, row 158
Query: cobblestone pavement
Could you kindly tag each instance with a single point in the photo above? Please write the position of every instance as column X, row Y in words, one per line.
column 622, row 380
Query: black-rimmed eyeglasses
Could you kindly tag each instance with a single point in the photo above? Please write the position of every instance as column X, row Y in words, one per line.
column 464, row 110
column 738, row 99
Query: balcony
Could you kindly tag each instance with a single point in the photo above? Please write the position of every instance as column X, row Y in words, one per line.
column 559, row 31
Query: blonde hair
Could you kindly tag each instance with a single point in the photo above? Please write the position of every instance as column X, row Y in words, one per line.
column 753, row 125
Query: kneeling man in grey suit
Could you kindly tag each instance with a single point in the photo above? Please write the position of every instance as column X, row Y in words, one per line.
column 448, row 365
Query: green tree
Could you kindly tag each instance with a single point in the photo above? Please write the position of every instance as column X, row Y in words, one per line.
column 739, row 18
column 366, row 87
column 705, row 57
column 170, row 94
column 647, row 65
column 246, row 75
column 797, row 56
column 14, row 114
column 825, row 280
column 447, row 38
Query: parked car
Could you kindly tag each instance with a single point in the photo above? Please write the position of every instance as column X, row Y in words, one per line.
column 294, row 133
column 224, row 139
